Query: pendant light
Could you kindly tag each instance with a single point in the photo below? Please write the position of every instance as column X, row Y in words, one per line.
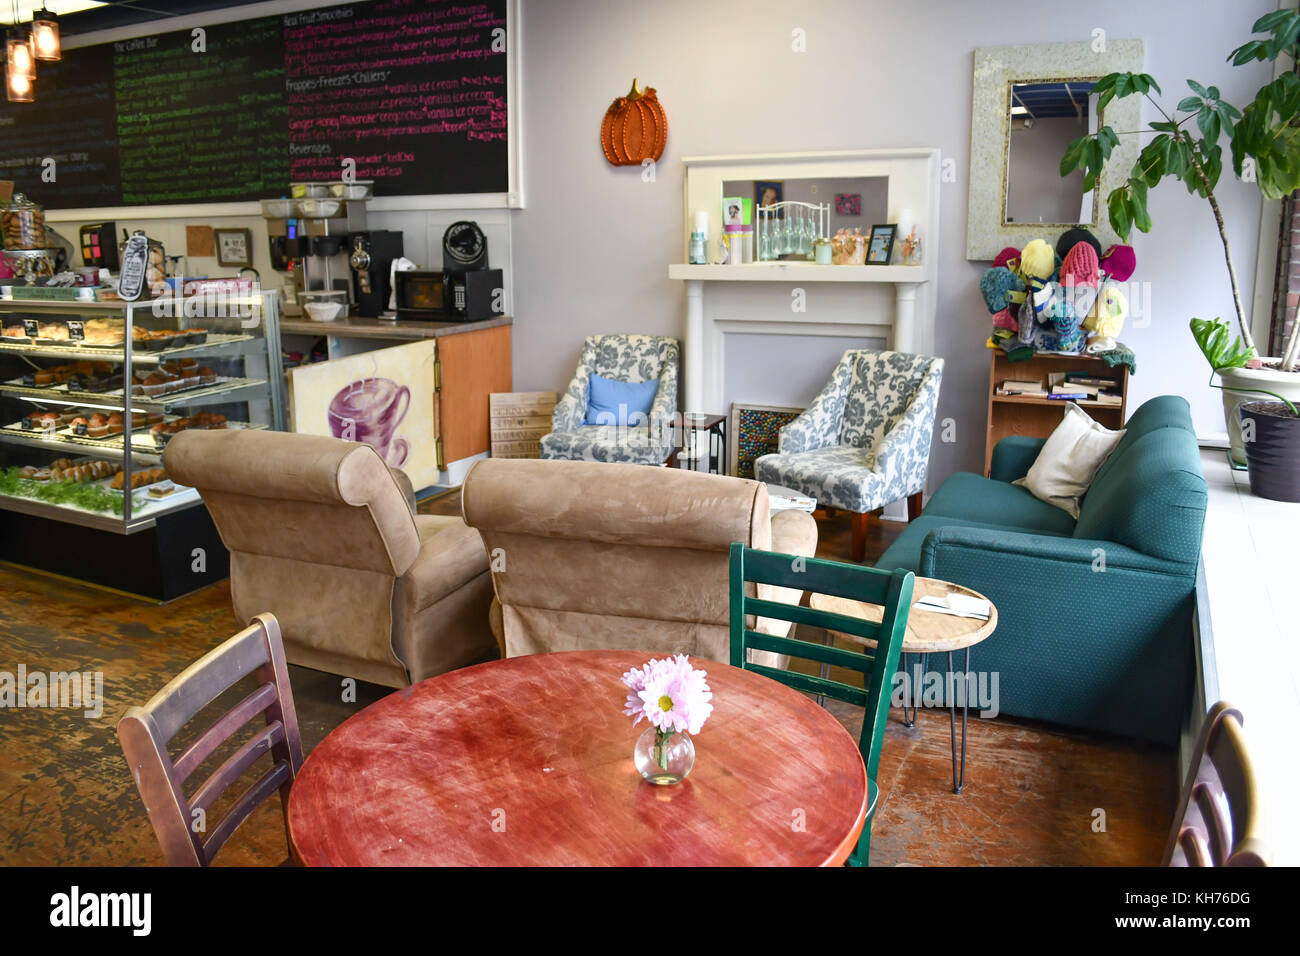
column 20, row 65
column 46, row 44
column 20, row 70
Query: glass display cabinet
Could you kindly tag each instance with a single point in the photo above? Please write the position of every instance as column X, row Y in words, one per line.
column 90, row 394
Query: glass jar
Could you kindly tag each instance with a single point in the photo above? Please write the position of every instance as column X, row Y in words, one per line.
column 822, row 251
column 23, row 224
column 664, row 759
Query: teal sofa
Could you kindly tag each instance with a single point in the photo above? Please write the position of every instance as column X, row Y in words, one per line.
column 1094, row 616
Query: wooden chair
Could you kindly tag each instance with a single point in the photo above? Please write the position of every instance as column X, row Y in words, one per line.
column 1218, row 821
column 893, row 591
column 180, row 822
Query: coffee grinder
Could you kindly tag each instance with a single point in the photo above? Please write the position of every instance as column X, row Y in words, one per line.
column 371, row 259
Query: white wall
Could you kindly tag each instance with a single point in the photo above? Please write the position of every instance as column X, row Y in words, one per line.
column 592, row 247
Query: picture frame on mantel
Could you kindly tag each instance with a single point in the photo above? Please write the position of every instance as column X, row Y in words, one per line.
column 234, row 247
column 996, row 71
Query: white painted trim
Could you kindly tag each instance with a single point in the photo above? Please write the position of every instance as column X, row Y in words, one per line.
column 513, row 198
column 1270, row 219
column 841, row 155
column 1261, row 305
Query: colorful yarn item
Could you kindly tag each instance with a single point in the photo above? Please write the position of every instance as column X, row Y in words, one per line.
column 1036, row 260
column 997, row 285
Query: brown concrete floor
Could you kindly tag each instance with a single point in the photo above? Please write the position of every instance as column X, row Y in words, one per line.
column 66, row 796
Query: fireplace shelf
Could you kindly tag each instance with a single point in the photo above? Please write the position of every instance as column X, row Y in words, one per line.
column 796, row 272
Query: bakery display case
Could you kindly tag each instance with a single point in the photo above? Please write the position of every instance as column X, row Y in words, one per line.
column 90, row 394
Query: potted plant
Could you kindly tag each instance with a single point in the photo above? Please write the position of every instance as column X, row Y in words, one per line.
column 1264, row 139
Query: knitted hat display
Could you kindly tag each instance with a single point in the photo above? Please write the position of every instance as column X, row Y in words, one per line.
column 1106, row 318
column 1080, row 267
column 1005, row 257
column 998, row 287
column 1036, row 260
column 1119, row 262
column 1073, row 237
column 1005, row 320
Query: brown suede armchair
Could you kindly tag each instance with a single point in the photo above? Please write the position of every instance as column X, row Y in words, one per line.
column 322, row 535
column 594, row 555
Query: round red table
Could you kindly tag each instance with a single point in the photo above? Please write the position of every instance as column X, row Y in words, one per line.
column 528, row 761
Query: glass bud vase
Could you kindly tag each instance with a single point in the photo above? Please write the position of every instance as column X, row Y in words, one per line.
column 664, row 758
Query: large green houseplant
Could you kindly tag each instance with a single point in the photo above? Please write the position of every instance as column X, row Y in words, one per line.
column 1187, row 145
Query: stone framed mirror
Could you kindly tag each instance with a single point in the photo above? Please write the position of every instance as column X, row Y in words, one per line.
column 1027, row 104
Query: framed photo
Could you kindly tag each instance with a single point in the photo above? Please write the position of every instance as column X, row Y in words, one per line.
column 848, row 204
column 733, row 211
column 752, row 432
column 767, row 192
column 881, row 245
column 234, row 247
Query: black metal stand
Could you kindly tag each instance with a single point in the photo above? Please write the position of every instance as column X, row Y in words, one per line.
column 715, row 426
column 914, row 698
column 958, row 781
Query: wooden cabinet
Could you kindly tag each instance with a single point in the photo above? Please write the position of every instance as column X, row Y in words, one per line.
column 1038, row 417
column 470, row 367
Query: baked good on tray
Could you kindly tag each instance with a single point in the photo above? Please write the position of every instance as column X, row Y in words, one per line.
column 97, row 425
column 139, row 479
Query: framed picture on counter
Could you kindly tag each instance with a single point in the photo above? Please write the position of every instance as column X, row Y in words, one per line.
column 234, row 247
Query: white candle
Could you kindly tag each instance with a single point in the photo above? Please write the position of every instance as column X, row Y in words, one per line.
column 702, row 222
column 905, row 224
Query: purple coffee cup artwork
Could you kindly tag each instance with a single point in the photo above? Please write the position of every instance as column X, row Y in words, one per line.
column 369, row 411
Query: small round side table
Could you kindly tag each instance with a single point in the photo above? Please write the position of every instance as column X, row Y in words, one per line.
column 928, row 632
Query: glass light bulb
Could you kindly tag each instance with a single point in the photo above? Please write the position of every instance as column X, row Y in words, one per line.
column 46, row 37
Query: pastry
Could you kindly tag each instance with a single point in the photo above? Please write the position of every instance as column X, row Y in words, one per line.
column 161, row 489
column 115, row 425
column 97, row 426
column 207, row 376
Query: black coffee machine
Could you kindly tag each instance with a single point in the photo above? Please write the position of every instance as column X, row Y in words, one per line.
column 373, row 252
column 472, row 290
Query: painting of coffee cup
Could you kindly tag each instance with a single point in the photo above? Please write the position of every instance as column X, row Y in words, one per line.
column 369, row 411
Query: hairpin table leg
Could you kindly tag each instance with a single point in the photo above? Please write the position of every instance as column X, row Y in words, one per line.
column 958, row 781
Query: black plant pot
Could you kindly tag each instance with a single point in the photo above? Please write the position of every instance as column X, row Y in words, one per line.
column 1273, row 451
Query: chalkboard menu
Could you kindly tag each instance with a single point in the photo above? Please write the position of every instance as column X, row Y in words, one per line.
column 409, row 93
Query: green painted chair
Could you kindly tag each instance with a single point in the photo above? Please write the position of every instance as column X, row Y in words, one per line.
column 893, row 591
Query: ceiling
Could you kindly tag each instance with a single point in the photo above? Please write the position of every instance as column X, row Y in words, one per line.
column 1047, row 100
column 124, row 13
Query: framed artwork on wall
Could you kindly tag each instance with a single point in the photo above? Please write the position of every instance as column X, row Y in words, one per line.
column 752, row 433
column 767, row 192
column 234, row 247
column 848, row 204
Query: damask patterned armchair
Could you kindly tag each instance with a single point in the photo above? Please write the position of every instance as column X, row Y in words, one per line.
column 865, row 440
column 624, row 358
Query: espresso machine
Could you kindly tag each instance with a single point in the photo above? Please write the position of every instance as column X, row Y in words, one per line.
column 371, row 258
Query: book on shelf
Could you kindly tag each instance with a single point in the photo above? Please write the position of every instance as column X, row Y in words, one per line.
column 1018, row 387
column 1069, row 396
column 1083, row 378
column 1106, row 398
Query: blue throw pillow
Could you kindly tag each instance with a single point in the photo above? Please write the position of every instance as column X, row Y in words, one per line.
column 604, row 396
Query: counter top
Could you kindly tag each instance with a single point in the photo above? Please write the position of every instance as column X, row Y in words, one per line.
column 402, row 331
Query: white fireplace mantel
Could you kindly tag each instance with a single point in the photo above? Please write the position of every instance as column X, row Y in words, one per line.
column 913, row 176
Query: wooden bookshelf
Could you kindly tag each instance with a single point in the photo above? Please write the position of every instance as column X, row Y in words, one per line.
column 1037, row 417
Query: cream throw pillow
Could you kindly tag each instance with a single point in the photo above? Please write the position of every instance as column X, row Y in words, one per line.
column 1069, row 460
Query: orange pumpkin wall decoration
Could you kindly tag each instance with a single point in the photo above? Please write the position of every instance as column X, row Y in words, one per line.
column 635, row 128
